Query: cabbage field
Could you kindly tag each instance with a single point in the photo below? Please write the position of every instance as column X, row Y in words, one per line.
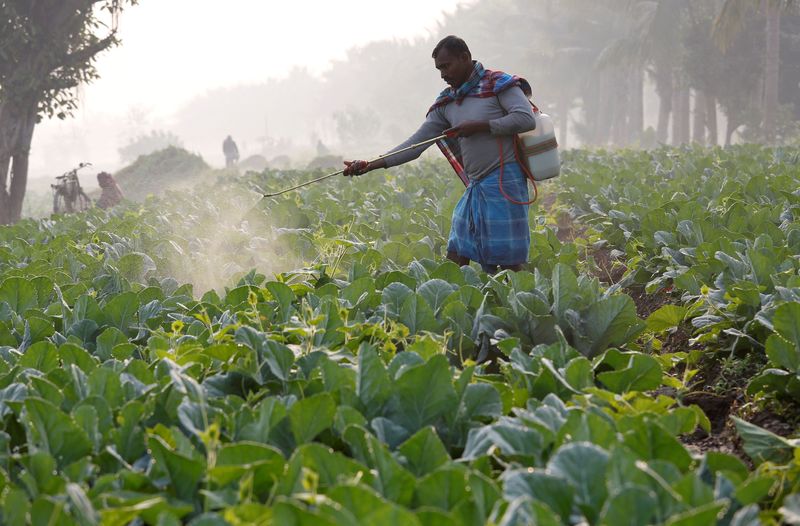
column 207, row 358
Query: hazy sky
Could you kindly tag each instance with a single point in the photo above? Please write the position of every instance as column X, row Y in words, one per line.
column 191, row 46
column 174, row 50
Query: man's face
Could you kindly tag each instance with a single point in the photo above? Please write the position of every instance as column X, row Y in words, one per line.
column 455, row 68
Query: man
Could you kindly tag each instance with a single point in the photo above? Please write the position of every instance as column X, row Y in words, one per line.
column 111, row 192
column 483, row 111
column 231, row 152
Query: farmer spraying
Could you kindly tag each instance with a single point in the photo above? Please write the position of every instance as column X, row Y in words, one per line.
column 480, row 114
column 231, row 151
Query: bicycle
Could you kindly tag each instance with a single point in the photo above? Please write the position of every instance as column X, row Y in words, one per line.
column 68, row 195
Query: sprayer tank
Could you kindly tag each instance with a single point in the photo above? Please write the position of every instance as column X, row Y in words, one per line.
column 540, row 148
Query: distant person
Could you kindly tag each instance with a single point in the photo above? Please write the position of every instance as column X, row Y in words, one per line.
column 111, row 194
column 481, row 111
column 231, row 152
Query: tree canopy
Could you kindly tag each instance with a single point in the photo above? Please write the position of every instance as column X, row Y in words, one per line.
column 47, row 49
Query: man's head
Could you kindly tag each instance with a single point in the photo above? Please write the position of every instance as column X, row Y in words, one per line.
column 104, row 179
column 453, row 60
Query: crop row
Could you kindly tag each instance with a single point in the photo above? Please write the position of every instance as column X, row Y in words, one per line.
column 720, row 229
column 372, row 384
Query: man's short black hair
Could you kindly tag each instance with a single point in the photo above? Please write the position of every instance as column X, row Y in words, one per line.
column 453, row 44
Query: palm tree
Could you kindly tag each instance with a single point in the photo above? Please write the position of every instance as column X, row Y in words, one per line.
column 728, row 24
column 653, row 42
column 622, row 58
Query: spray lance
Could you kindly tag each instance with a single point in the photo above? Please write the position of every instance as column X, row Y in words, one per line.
column 340, row 172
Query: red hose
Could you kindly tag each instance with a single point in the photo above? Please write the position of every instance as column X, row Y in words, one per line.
column 525, row 170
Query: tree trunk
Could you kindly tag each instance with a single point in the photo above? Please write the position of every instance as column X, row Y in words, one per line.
column 699, row 128
column 731, row 129
column 772, row 71
column 17, row 122
column 602, row 115
column 677, row 115
column 711, row 120
column 682, row 126
column 620, row 90
column 665, row 91
column 686, row 108
column 606, row 130
column 636, row 123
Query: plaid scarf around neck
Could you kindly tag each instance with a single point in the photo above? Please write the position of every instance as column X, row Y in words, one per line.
column 482, row 83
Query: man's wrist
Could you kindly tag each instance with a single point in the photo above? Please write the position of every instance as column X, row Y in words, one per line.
column 374, row 165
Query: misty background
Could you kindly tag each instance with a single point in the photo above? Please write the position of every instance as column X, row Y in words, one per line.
column 292, row 82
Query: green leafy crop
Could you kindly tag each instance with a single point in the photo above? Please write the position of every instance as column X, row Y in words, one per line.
column 203, row 359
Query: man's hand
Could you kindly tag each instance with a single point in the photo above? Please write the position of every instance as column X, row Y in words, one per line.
column 468, row 128
column 353, row 168
column 361, row 167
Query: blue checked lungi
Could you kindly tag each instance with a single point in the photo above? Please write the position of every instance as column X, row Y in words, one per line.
column 489, row 229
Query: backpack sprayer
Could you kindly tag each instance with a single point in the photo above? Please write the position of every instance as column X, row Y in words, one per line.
column 539, row 151
column 538, row 148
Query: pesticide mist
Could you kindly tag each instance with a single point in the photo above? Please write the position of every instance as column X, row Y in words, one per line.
column 222, row 238
column 218, row 234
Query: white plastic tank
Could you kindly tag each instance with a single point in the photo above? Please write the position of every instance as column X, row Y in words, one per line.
column 540, row 149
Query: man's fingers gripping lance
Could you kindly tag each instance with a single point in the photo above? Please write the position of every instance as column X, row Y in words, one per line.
column 354, row 168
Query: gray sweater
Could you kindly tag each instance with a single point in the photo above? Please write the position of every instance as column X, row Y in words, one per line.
column 480, row 151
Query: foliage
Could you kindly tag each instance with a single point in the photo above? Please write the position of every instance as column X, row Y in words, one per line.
column 718, row 227
column 733, row 77
column 347, row 391
column 47, row 49
column 147, row 144
column 156, row 172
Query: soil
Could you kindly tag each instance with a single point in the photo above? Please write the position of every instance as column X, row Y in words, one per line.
column 677, row 341
column 716, row 407
column 721, row 394
column 609, row 269
column 568, row 231
column 723, row 436
column 773, row 422
column 647, row 304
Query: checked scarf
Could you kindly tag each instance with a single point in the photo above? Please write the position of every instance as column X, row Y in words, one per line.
column 483, row 83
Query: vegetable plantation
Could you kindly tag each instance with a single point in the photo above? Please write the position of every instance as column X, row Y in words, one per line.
column 207, row 359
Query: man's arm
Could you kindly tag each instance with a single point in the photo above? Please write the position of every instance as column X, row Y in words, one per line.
column 518, row 119
column 434, row 125
column 519, row 114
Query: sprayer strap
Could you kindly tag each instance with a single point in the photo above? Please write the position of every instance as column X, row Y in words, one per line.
column 518, row 146
column 536, row 149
